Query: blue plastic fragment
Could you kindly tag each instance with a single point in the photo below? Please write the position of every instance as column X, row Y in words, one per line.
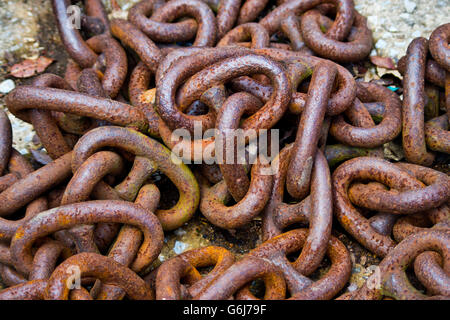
column 393, row 88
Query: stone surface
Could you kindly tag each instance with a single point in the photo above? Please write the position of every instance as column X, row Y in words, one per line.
column 7, row 86
column 395, row 23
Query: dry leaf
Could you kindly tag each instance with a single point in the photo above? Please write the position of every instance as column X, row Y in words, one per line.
column 29, row 67
column 382, row 71
column 384, row 62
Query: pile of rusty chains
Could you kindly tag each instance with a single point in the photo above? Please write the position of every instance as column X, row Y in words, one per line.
column 96, row 208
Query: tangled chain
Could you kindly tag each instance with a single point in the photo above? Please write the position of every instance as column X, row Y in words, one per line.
column 95, row 212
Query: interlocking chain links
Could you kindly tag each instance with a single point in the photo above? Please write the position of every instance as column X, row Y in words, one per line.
column 176, row 69
column 90, row 175
column 228, row 120
column 437, row 136
column 367, row 134
column 249, row 81
column 434, row 73
column 214, row 199
column 132, row 37
column 26, row 97
column 42, row 120
column 80, row 187
column 31, row 290
column 19, row 167
column 412, row 202
column 158, row 30
column 167, row 277
column 71, row 37
column 316, row 209
column 340, row 100
column 44, row 262
column 86, row 81
column 170, row 273
column 126, row 246
column 340, row 28
column 406, row 200
column 356, row 48
column 157, row 23
column 45, row 258
column 308, row 31
column 241, row 273
column 414, row 199
column 253, row 32
column 138, row 90
column 116, row 65
column 99, row 50
column 143, row 146
column 34, row 184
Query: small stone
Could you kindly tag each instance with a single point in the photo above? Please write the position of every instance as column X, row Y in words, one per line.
column 393, row 29
column 372, row 21
column 410, row 6
column 393, row 52
column 416, row 34
column 352, row 287
column 381, row 44
column 179, row 247
column 7, row 86
column 407, row 18
column 180, row 232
